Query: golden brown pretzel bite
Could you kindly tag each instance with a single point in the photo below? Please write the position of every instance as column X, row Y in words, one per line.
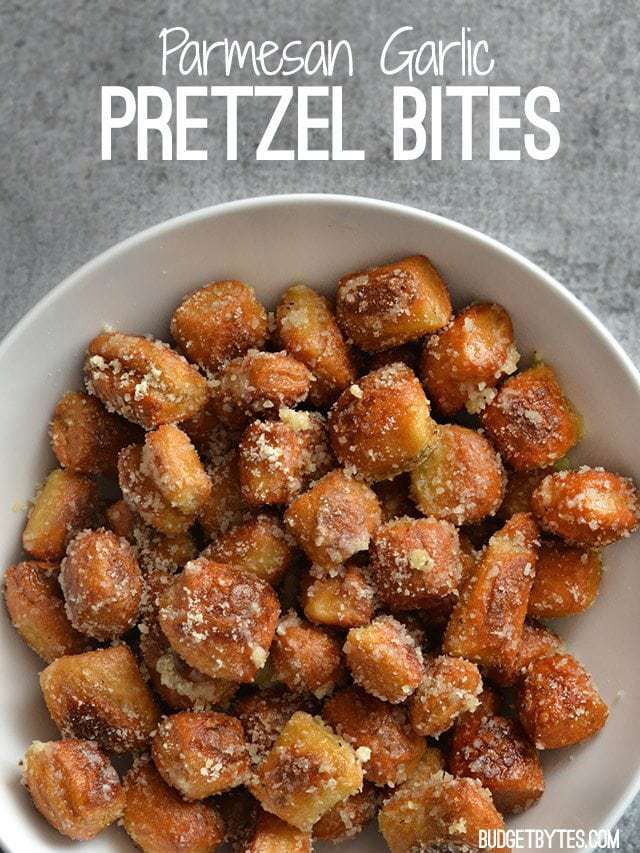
column 218, row 322
column 66, row 503
column 463, row 362
column 200, row 753
column 307, row 329
column 86, row 438
column 308, row 770
column 385, row 306
column 145, row 381
column 379, row 732
column 35, row 605
column 381, row 426
column 487, row 622
column 589, row 507
column 101, row 696
column 102, row 584
column 530, row 421
column 74, row 786
column 219, row 619
column 158, row 820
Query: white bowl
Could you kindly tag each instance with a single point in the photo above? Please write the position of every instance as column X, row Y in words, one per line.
column 271, row 242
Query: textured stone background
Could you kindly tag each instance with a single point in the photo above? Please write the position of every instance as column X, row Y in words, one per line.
column 577, row 215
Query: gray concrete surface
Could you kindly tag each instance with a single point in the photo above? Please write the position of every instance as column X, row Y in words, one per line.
column 577, row 215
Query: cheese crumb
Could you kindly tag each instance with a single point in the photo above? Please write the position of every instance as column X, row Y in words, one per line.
column 258, row 656
column 363, row 754
column 420, row 560
column 298, row 421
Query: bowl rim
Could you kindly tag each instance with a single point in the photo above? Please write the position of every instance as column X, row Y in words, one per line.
column 346, row 200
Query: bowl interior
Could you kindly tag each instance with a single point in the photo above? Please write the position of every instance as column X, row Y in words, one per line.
column 271, row 243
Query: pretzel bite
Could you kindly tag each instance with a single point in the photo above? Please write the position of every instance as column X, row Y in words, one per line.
column 86, row 438
column 463, row 363
column 342, row 598
column 305, row 657
column 384, row 659
column 495, row 751
column 394, row 497
column 386, row 306
column 487, row 622
column 219, row 322
column 101, row 696
column 180, row 687
column 123, row 520
column 449, row 688
column 589, row 507
column 74, row 786
column 566, row 582
column 461, row 480
column 334, row 519
column 271, row 463
column 415, row 563
column 225, row 506
column 144, row 381
column 258, row 384
column 68, row 502
column 558, row 704
column 382, row 426
column 530, row 421
column 348, row 818
column 102, row 584
column 520, row 486
column 264, row 715
column 537, row 641
column 388, row 748
column 36, row 609
column 308, row 771
column 173, row 464
column 153, row 549
column 259, row 545
column 307, row 329
column 438, row 813
column 164, row 480
column 200, row 753
column 158, row 820
column 219, row 619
